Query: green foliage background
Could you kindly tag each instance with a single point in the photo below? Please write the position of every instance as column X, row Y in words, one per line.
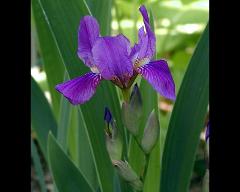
column 74, row 153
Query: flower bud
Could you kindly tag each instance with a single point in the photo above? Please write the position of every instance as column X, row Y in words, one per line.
column 132, row 111
column 113, row 142
column 128, row 174
column 151, row 133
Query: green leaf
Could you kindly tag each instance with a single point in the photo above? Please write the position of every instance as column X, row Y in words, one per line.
column 64, row 121
column 73, row 137
column 150, row 102
column 66, row 175
column 63, row 19
column 38, row 166
column 102, row 11
column 42, row 118
column 187, row 121
column 79, row 147
column 85, row 157
column 52, row 61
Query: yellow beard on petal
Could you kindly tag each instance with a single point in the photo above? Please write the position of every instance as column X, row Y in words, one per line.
column 94, row 69
column 141, row 62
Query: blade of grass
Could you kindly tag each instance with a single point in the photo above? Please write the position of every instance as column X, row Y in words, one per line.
column 187, row 121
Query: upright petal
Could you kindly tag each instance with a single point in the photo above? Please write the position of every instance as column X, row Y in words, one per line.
column 80, row 89
column 142, row 41
column 159, row 76
column 88, row 33
column 146, row 41
column 111, row 57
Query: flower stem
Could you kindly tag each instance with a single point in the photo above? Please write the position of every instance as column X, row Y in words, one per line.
column 147, row 157
column 126, row 94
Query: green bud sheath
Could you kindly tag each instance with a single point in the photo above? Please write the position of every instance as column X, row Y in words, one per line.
column 114, row 148
column 132, row 111
column 151, row 133
column 113, row 142
column 128, row 174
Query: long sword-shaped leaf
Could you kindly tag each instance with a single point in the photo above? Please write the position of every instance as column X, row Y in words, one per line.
column 38, row 166
column 102, row 11
column 66, row 175
column 64, row 120
column 64, row 123
column 63, row 18
column 42, row 118
column 187, row 121
column 79, row 147
column 85, row 157
column 52, row 61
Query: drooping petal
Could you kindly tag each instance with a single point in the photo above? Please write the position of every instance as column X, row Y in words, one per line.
column 146, row 46
column 111, row 57
column 159, row 76
column 80, row 89
column 88, row 33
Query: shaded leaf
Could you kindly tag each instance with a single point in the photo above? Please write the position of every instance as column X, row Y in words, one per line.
column 66, row 175
column 42, row 118
column 187, row 121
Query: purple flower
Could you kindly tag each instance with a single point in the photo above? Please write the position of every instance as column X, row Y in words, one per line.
column 113, row 58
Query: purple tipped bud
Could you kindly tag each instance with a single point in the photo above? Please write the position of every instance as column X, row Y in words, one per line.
column 113, row 142
column 135, row 98
column 107, row 116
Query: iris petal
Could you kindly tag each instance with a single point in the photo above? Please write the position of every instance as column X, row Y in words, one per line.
column 88, row 33
column 146, row 41
column 111, row 57
column 80, row 89
column 158, row 75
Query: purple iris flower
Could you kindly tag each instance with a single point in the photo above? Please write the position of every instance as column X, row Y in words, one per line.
column 113, row 58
